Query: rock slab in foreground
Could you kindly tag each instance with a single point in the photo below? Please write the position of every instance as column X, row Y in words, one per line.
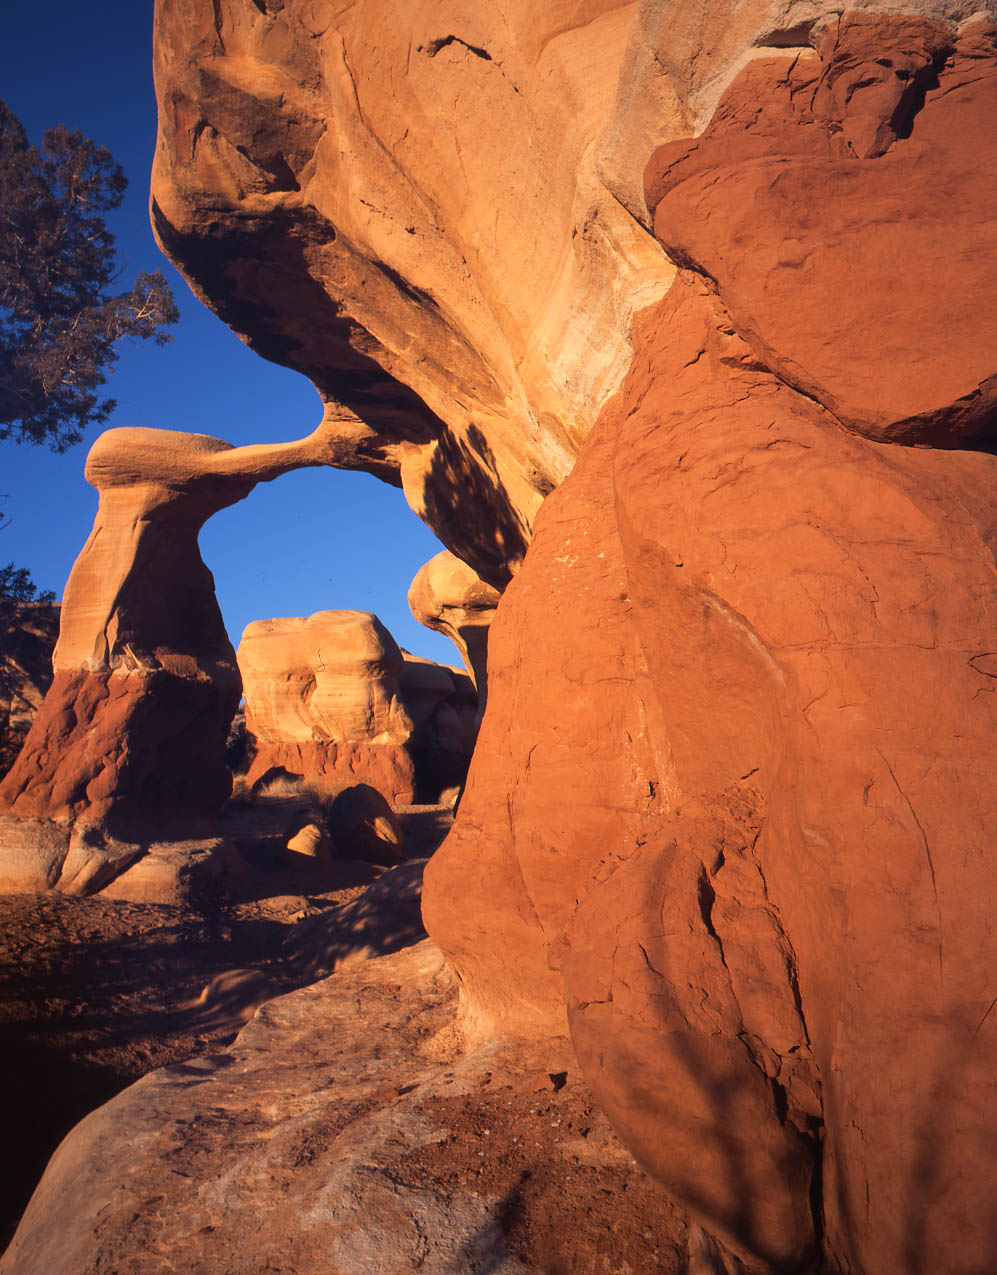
column 344, row 1133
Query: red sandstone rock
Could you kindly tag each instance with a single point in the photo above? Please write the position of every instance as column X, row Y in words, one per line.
column 132, row 732
column 868, row 143
column 354, row 189
column 332, row 700
column 739, row 817
column 25, row 671
column 339, row 1133
column 323, row 702
column 450, row 597
column 731, row 811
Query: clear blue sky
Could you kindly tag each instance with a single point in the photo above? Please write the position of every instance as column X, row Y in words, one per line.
column 313, row 540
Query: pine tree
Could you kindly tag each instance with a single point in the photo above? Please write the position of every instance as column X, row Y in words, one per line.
column 58, row 318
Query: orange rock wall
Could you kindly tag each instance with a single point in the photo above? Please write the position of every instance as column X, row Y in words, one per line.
column 353, row 188
column 736, row 818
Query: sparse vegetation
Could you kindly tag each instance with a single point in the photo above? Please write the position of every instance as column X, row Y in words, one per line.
column 59, row 320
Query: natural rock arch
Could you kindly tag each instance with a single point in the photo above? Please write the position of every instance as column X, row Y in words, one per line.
column 129, row 744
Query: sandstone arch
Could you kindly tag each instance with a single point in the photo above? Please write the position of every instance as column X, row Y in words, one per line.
column 129, row 743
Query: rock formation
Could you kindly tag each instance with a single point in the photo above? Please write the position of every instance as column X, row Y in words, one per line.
column 744, row 802
column 332, row 699
column 131, row 735
column 354, row 189
column 26, row 648
column 443, row 704
column 450, row 597
column 322, row 702
column 729, row 820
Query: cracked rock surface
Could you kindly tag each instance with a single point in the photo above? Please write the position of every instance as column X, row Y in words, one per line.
column 738, row 821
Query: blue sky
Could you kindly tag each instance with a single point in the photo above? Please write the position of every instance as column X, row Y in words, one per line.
column 313, row 540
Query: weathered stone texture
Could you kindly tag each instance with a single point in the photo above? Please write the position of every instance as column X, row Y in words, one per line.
column 739, row 817
column 132, row 731
column 331, row 698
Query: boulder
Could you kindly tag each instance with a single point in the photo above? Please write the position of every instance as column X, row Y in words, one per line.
column 342, row 1131
column 450, row 597
column 363, row 826
column 332, row 699
column 323, row 702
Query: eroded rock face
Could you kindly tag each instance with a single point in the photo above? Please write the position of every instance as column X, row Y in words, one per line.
column 322, row 701
column 450, row 597
column 355, row 188
column 131, row 735
column 865, row 139
column 730, row 818
column 737, row 819
column 436, row 213
column 332, row 699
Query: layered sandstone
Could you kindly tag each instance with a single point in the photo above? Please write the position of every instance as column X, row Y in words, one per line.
column 131, row 735
column 332, row 699
column 354, row 189
column 322, row 702
column 450, row 597
column 737, row 818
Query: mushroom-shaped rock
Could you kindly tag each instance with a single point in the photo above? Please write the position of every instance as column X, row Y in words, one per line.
column 450, row 597
column 131, row 735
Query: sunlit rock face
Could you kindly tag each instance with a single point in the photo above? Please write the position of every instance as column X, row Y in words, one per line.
column 435, row 211
column 732, row 804
column 130, row 739
column 730, row 818
column 450, row 597
column 331, row 699
column 404, row 203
